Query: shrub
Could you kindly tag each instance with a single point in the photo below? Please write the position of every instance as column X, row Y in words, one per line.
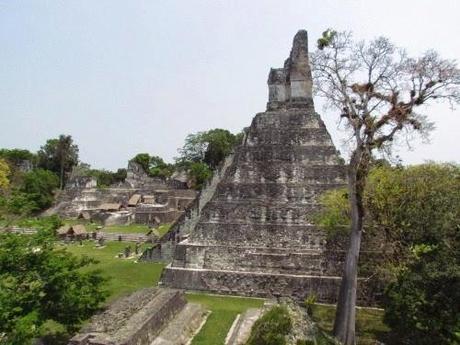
column 422, row 304
column 271, row 328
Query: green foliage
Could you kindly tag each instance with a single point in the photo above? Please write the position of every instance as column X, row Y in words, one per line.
column 411, row 205
column 417, row 208
column 200, row 173
column 39, row 185
column 59, row 156
column 17, row 156
column 39, row 282
column 423, row 303
column 18, row 204
column 271, row 328
column 46, row 226
column 158, row 168
column 417, row 204
column 4, row 173
column 107, row 178
column 154, row 166
column 209, row 147
column 335, row 214
column 326, row 38
column 143, row 159
column 309, row 303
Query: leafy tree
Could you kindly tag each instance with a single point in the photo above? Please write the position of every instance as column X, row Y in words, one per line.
column 209, row 147
column 17, row 204
column 16, row 156
column 143, row 159
column 154, row 166
column 4, row 173
column 120, row 175
column 422, row 306
column 377, row 89
column 39, row 185
column 60, row 156
column 417, row 208
column 200, row 173
column 106, row 178
column 39, row 283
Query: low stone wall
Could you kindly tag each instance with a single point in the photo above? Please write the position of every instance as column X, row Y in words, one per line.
column 252, row 284
column 133, row 320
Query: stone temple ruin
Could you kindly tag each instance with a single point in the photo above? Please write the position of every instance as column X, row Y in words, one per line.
column 250, row 232
column 256, row 236
column 139, row 199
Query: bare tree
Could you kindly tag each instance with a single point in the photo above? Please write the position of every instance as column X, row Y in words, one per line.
column 377, row 89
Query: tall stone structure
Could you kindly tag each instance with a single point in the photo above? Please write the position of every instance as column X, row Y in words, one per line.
column 256, row 236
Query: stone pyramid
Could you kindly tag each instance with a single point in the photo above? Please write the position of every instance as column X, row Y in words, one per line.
column 256, row 235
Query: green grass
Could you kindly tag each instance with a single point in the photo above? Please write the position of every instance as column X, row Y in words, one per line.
column 127, row 229
column 125, row 275
column 224, row 311
column 369, row 323
column 163, row 229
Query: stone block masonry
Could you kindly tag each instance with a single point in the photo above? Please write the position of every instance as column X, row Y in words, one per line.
column 134, row 320
column 256, row 235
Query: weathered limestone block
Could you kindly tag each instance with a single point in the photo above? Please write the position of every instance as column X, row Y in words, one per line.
column 133, row 320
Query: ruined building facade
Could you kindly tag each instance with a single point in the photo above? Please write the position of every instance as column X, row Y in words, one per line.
column 256, row 236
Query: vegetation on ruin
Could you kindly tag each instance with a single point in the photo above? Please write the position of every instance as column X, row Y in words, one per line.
column 417, row 210
column 224, row 310
column 271, row 328
column 209, row 147
column 378, row 92
column 205, row 151
column 154, row 166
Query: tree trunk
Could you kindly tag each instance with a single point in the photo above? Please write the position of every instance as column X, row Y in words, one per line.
column 61, row 177
column 345, row 317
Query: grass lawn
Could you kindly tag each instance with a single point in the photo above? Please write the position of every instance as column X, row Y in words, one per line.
column 224, row 310
column 369, row 323
column 163, row 229
column 126, row 276
column 127, row 229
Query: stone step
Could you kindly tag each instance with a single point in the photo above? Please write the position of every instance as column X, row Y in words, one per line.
column 241, row 328
column 183, row 327
column 301, row 154
column 271, row 235
column 260, row 214
column 304, row 119
column 256, row 284
column 280, row 193
column 284, row 172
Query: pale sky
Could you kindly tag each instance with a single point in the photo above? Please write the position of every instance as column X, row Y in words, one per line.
column 124, row 77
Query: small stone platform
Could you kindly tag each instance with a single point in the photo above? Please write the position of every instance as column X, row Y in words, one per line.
column 139, row 319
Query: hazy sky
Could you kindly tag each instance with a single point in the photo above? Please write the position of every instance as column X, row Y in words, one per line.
column 124, row 77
